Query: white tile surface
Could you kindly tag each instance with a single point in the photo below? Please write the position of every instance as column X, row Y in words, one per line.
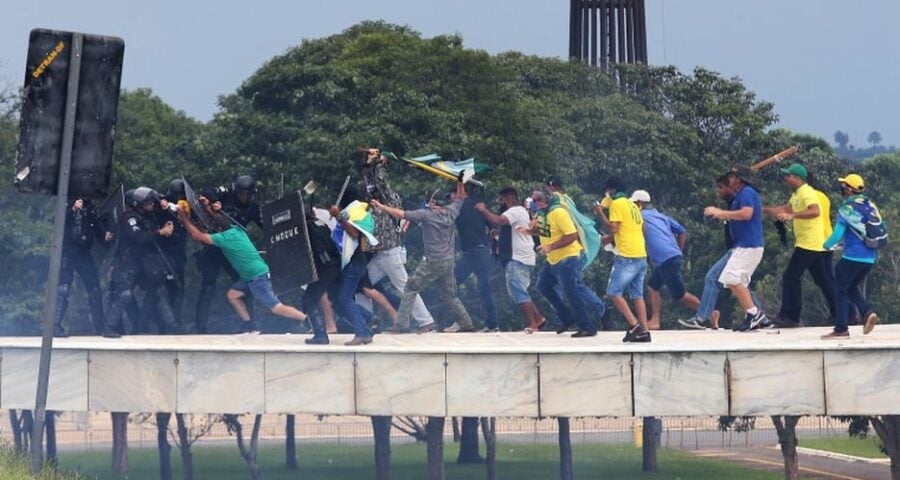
column 412, row 384
column 777, row 383
column 310, row 383
column 213, row 382
column 132, row 381
column 680, row 384
column 492, row 385
column 574, row 385
column 68, row 379
column 862, row 383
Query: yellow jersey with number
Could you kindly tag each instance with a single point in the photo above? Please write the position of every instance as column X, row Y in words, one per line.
column 630, row 237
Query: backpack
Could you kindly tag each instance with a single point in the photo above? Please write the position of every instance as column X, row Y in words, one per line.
column 876, row 233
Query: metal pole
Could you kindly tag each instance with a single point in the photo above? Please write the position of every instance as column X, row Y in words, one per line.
column 59, row 226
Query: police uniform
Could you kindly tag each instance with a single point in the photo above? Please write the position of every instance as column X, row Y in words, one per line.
column 80, row 230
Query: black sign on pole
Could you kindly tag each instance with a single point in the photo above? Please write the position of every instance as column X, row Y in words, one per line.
column 43, row 108
column 288, row 251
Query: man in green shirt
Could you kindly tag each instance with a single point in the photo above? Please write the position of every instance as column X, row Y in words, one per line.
column 246, row 260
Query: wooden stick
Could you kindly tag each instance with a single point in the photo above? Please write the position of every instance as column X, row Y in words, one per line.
column 775, row 158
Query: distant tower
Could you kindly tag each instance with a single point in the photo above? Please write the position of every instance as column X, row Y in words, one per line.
column 604, row 32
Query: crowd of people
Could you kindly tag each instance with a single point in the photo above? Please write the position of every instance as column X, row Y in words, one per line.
column 358, row 249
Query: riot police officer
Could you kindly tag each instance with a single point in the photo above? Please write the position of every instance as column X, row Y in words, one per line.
column 174, row 247
column 142, row 261
column 80, row 231
column 239, row 203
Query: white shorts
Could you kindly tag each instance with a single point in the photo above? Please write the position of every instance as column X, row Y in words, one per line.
column 740, row 267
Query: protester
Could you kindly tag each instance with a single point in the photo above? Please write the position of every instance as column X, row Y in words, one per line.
column 858, row 258
column 630, row 264
column 516, row 253
column 745, row 223
column 665, row 239
column 246, row 260
column 436, row 269
column 475, row 255
column 805, row 211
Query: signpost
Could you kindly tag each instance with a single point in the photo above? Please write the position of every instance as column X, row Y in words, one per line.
column 65, row 146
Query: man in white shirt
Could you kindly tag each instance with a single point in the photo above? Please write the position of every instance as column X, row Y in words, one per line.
column 517, row 253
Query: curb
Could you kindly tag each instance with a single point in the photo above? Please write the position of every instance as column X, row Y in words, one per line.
column 842, row 456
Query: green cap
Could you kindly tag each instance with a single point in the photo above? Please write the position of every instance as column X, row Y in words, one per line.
column 795, row 169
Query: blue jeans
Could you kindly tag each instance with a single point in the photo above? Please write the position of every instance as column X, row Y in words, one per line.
column 588, row 295
column 518, row 278
column 848, row 275
column 627, row 276
column 711, row 288
column 478, row 260
column 345, row 296
column 566, row 274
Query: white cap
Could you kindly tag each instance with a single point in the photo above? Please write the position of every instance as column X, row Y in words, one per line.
column 640, row 196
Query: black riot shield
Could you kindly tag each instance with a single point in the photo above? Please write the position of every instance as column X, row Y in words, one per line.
column 197, row 210
column 288, row 251
column 109, row 213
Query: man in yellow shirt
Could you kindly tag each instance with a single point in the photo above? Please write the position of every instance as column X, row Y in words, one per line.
column 809, row 215
column 559, row 243
column 630, row 265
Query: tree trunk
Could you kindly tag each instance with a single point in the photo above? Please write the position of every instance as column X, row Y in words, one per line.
column 184, row 445
column 50, row 428
column 489, row 429
column 381, row 427
column 786, row 427
column 566, row 470
column 290, row 443
column 21, row 429
column 162, row 443
column 16, row 429
column 651, row 433
column 454, row 423
column 468, row 444
column 888, row 429
column 120, row 442
column 435, row 433
column 247, row 453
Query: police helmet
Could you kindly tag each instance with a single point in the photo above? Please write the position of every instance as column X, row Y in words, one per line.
column 245, row 184
column 175, row 191
column 143, row 195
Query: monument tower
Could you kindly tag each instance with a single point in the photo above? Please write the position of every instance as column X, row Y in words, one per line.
column 605, row 32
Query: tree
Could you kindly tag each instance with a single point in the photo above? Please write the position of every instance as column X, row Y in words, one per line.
column 435, row 432
column 566, row 470
column 468, row 444
column 842, row 139
column 248, row 452
column 786, row 426
column 381, row 427
column 874, row 138
column 120, row 442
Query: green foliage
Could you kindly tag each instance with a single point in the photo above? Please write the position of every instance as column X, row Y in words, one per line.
column 16, row 467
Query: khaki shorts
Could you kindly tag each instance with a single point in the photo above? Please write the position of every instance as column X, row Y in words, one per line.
column 740, row 267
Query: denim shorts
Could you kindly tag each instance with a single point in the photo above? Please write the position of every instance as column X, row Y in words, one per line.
column 668, row 274
column 518, row 278
column 627, row 276
column 261, row 289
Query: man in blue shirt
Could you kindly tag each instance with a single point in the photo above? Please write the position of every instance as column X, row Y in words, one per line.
column 665, row 239
column 857, row 260
column 745, row 222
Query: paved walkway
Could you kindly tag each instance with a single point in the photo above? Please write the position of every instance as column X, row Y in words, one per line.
column 812, row 466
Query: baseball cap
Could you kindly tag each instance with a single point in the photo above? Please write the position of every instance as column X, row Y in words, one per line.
column 640, row 196
column 853, row 181
column 795, row 169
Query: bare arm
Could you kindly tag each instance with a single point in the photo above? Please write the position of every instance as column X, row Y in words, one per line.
column 490, row 216
column 394, row 212
column 811, row 212
column 192, row 229
column 564, row 241
column 681, row 239
column 776, row 209
column 744, row 214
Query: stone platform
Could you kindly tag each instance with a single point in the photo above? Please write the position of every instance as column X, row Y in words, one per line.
column 682, row 373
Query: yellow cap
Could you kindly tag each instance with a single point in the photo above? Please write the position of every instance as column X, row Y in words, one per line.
column 606, row 202
column 853, row 181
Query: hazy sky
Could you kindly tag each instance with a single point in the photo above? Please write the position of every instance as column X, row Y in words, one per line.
column 826, row 64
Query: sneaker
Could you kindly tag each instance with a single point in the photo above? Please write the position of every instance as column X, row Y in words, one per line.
column 427, row 328
column 456, row 328
column 316, row 341
column 871, row 320
column 746, row 325
column 766, row 324
column 584, row 333
column 758, row 320
column 835, row 335
column 107, row 333
column 695, row 323
column 396, row 330
column 359, row 341
column 562, row 329
column 637, row 334
column 249, row 326
column 489, row 330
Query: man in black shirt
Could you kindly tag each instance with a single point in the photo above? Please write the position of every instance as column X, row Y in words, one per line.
column 475, row 256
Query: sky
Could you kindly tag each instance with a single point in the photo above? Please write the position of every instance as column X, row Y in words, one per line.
column 827, row 65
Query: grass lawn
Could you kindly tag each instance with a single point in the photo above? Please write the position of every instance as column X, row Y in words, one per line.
column 869, row 447
column 520, row 462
